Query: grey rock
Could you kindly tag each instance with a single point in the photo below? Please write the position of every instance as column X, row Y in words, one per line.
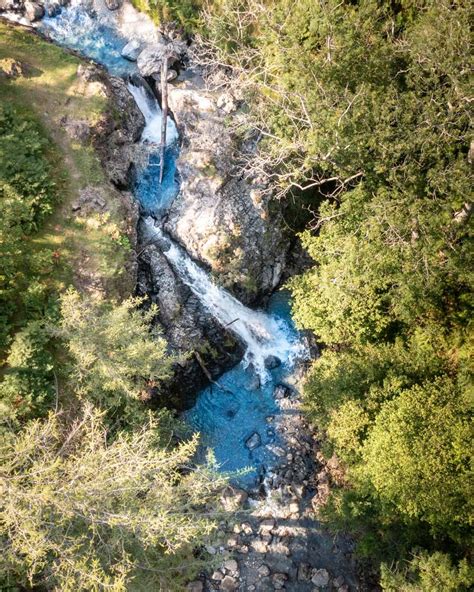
column 281, row 391
column 150, row 60
column 132, row 50
column 113, row 4
column 196, row 586
column 218, row 216
column 233, row 497
column 232, row 566
column 33, row 11
column 228, row 584
column 272, row 362
column 304, row 572
column 279, row 580
column 254, row 441
column 320, row 577
column 264, row 570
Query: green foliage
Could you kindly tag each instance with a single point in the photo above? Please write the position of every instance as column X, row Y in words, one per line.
column 23, row 165
column 81, row 512
column 27, row 194
column 429, row 573
column 116, row 355
column 183, row 12
column 26, row 390
column 363, row 111
column 417, row 455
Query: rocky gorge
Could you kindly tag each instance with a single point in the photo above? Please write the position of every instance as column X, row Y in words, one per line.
column 224, row 225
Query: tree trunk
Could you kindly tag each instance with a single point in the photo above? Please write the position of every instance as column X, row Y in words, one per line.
column 164, row 114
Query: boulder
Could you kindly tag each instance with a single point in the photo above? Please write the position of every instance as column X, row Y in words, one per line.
column 272, row 362
column 320, row 577
column 254, row 441
column 33, row 11
column 113, row 4
column 52, row 9
column 229, row 584
column 150, row 60
column 132, row 50
column 264, row 570
column 304, row 572
column 232, row 566
column 281, row 391
column 233, row 497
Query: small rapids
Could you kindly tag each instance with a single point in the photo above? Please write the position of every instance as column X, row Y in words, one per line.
column 262, row 334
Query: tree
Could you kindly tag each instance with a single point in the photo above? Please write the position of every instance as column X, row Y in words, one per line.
column 27, row 390
column 117, row 355
column 83, row 512
column 418, row 456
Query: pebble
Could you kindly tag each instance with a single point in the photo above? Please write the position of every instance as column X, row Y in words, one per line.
column 304, row 572
column 320, row 577
column 228, row 584
column 339, row 581
column 267, row 525
column 294, row 508
column 232, row 566
column 264, row 570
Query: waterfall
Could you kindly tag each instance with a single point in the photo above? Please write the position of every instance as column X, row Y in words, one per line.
column 151, row 111
column 263, row 335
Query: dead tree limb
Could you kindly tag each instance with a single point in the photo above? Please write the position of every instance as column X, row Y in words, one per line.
column 164, row 114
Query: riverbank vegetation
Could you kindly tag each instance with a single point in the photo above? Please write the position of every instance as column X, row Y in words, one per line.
column 98, row 491
column 363, row 111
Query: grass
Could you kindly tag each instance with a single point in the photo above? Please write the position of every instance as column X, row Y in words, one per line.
column 51, row 91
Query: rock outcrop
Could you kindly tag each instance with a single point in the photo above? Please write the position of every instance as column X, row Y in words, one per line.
column 31, row 10
column 115, row 134
column 220, row 218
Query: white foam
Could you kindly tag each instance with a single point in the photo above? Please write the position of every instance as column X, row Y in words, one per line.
column 262, row 334
column 153, row 117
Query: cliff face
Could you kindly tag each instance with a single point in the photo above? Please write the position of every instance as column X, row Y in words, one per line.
column 221, row 219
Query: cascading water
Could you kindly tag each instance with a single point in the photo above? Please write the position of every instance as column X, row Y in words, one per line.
column 154, row 197
column 244, row 405
column 262, row 334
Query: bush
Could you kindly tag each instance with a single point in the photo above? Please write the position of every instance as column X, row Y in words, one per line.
column 117, row 355
column 27, row 388
column 429, row 573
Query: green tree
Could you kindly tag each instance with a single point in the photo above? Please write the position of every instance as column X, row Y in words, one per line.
column 82, row 512
column 27, row 388
column 429, row 573
column 417, row 455
column 117, row 354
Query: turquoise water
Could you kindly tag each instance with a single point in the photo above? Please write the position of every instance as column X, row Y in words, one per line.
column 227, row 418
column 154, row 199
column 77, row 29
column 226, row 415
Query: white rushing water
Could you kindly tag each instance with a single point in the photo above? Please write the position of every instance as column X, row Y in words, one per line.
column 263, row 335
column 153, row 117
